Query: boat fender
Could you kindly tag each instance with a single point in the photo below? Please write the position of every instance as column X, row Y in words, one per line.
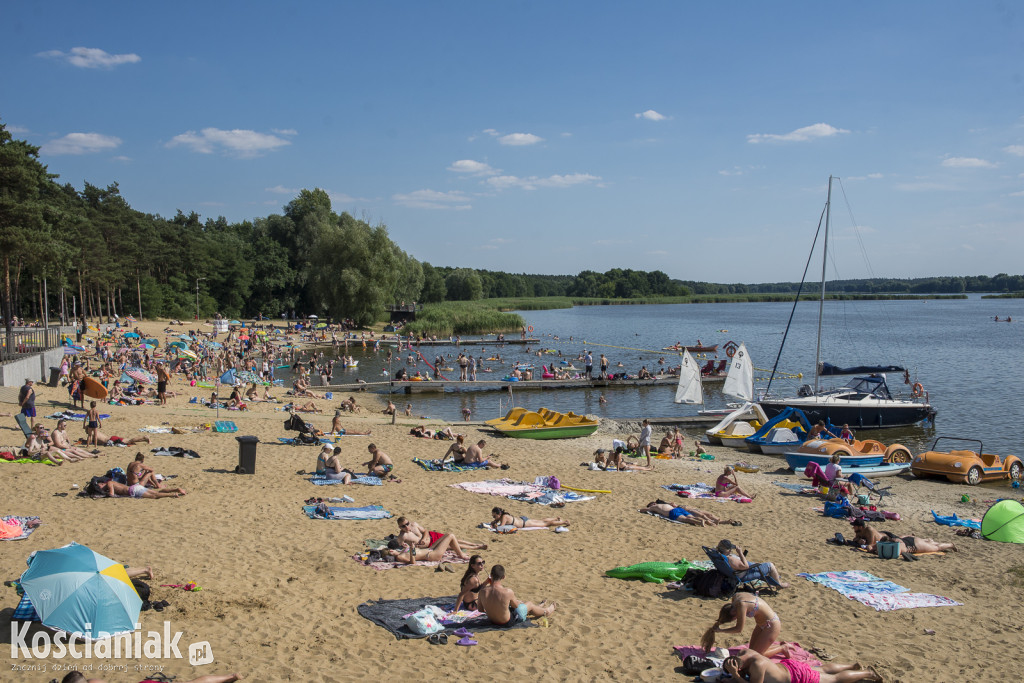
column 918, row 390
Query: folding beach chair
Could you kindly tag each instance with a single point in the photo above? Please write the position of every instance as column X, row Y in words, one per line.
column 23, row 423
column 757, row 577
column 859, row 480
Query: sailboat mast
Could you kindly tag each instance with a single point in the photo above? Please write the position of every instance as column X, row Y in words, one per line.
column 821, row 301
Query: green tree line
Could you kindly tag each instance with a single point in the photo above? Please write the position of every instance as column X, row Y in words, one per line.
column 89, row 252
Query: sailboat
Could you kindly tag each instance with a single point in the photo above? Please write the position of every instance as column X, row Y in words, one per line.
column 865, row 401
column 743, row 421
column 689, row 390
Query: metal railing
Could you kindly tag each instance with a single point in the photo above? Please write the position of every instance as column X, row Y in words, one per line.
column 26, row 341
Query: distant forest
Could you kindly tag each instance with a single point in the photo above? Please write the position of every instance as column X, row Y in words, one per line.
column 88, row 251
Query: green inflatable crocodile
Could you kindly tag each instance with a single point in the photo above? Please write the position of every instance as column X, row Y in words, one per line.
column 652, row 572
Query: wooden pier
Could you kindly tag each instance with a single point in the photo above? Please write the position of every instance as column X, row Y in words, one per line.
column 439, row 386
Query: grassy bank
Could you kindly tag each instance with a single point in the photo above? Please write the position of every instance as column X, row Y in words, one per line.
column 1007, row 295
column 464, row 317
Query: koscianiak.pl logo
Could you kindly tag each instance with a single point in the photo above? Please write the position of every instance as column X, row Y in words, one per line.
column 133, row 645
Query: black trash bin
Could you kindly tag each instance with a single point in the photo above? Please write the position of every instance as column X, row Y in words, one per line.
column 246, row 454
column 54, row 377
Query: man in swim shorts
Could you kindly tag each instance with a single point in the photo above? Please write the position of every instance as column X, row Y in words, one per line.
column 380, row 465
column 502, row 607
column 760, row 668
column 677, row 513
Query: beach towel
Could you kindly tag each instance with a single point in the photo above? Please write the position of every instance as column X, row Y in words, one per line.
column 697, row 488
column 704, row 495
column 877, row 593
column 795, row 652
column 956, row 521
column 224, row 426
column 520, row 490
column 22, row 461
column 68, row 415
column 155, row 430
column 292, row 441
column 383, row 565
column 365, row 479
column 799, row 488
column 666, row 519
column 365, row 512
column 450, row 466
column 25, row 611
column 17, row 528
column 390, row 615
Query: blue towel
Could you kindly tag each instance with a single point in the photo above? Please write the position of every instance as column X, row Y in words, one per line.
column 365, row 512
column 361, row 479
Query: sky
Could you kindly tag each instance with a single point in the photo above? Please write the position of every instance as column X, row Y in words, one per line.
column 553, row 137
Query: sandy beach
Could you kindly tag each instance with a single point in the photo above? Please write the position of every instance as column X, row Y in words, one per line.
column 280, row 590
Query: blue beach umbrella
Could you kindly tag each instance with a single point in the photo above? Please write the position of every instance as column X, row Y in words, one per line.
column 178, row 345
column 130, row 335
column 74, row 586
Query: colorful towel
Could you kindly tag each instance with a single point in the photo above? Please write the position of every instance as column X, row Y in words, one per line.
column 795, row 652
column 520, row 490
column 225, row 426
column 390, row 615
column 711, row 496
column 380, row 566
column 26, row 524
column 697, row 488
column 365, row 479
column 870, row 590
column 27, row 461
column 295, row 442
column 436, row 466
column 68, row 415
column 365, row 512
column 956, row 521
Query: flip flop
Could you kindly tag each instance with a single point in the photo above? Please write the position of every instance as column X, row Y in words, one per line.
column 462, row 632
column 466, row 642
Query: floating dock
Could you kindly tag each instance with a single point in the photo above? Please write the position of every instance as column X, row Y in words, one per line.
column 439, row 386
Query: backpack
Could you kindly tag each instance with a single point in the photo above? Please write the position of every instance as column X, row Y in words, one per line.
column 712, row 584
column 694, row 665
column 142, row 588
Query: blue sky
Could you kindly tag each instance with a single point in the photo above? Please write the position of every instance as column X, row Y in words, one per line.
column 553, row 137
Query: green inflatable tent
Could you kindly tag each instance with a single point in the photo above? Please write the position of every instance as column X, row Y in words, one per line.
column 1004, row 522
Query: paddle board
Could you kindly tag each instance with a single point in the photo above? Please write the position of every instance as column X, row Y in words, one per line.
column 92, row 388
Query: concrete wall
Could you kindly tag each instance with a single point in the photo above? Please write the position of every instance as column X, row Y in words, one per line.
column 35, row 367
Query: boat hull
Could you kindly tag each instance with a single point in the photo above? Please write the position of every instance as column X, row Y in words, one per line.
column 549, row 432
column 798, row 461
column 873, row 416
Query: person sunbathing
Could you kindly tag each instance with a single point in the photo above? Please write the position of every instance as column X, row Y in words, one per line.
column 38, row 447
column 410, row 554
column 308, row 407
column 116, row 490
column 60, row 439
column 667, row 443
column 380, row 464
column 328, row 464
column 869, row 537
column 336, row 427
column 678, row 513
column 139, row 473
column 412, row 532
column 752, row 664
column 767, row 626
column 501, row 517
column 614, row 460
column 457, row 450
column 104, row 440
column 727, row 485
column 471, row 584
column 502, row 607
column 79, row 677
column 475, row 456
column 737, row 559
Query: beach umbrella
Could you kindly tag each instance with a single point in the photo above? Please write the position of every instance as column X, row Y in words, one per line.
column 140, row 375
column 214, row 345
column 188, row 354
column 243, row 337
column 235, row 322
column 178, row 345
column 130, row 335
column 73, row 586
column 145, row 347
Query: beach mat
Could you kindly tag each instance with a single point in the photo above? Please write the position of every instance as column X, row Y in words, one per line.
column 365, row 512
column 795, row 652
column 436, row 466
column 877, row 593
column 26, row 530
column 292, row 441
column 225, row 426
column 390, row 615
column 365, row 479
column 384, row 565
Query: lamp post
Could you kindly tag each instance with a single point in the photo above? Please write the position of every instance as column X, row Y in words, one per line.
column 197, row 295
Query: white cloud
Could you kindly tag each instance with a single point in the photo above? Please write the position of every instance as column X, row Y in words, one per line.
column 80, row 143
column 91, row 57
column 968, row 247
column 519, row 139
column 533, row 182
column 432, row 199
column 658, row 252
column 123, row 158
column 869, row 176
column 735, row 170
column 566, row 135
column 18, row 130
column 966, row 162
column 281, row 189
column 284, row 131
column 1016, row 150
column 491, row 132
column 818, row 130
column 243, row 143
column 1017, row 194
column 471, row 167
column 650, row 115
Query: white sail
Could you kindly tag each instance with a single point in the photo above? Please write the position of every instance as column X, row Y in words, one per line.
column 689, row 389
column 740, row 380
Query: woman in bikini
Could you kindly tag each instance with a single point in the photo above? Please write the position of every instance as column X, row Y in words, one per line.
column 504, row 518
column 328, row 465
column 727, row 485
column 767, row 626
column 471, row 583
column 435, row 553
column 457, row 450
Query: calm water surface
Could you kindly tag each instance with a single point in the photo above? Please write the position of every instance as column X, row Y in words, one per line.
column 969, row 364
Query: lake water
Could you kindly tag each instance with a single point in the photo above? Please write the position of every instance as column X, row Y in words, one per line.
column 969, row 364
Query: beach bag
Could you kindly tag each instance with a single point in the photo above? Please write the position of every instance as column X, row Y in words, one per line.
column 694, row 665
column 425, row 621
column 553, row 483
column 711, row 584
column 837, row 509
column 888, row 550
